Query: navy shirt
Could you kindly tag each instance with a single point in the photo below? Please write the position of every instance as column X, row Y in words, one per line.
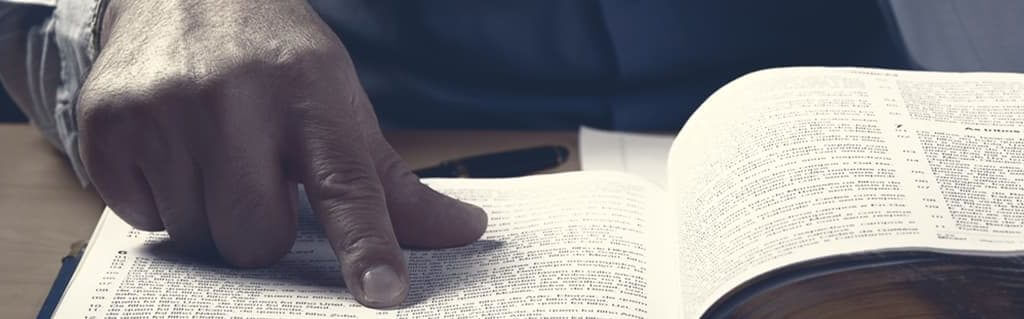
column 546, row 64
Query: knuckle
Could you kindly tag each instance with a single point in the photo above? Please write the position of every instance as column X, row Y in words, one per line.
column 167, row 86
column 348, row 181
column 306, row 56
column 93, row 114
column 365, row 238
column 400, row 178
column 104, row 123
column 352, row 201
column 108, row 105
column 102, row 126
column 395, row 167
column 360, row 240
column 352, row 212
column 122, row 102
column 126, row 89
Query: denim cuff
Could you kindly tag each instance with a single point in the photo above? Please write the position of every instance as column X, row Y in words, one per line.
column 39, row 74
column 47, row 3
column 76, row 28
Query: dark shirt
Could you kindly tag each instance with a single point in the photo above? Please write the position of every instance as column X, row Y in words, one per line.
column 548, row 64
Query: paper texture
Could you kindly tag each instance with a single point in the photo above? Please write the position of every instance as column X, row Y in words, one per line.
column 565, row 245
column 635, row 153
column 788, row 165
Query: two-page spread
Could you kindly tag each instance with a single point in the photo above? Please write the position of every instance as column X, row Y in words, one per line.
column 779, row 167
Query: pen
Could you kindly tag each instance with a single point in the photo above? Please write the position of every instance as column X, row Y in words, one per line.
column 502, row 164
column 67, row 268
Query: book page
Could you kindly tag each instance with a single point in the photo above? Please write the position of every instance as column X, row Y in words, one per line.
column 642, row 154
column 559, row 245
column 788, row 165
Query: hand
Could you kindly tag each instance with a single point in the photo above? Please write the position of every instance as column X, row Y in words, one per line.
column 200, row 116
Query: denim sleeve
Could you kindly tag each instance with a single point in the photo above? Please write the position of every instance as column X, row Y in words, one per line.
column 48, row 3
column 68, row 36
column 76, row 33
column 39, row 64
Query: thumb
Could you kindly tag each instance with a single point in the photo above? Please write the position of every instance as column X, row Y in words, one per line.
column 422, row 217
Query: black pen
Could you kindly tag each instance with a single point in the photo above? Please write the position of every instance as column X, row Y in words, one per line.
column 68, row 264
column 502, row 164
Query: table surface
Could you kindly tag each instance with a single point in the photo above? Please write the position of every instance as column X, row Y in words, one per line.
column 43, row 209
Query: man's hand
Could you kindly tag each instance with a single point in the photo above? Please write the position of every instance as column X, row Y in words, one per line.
column 200, row 116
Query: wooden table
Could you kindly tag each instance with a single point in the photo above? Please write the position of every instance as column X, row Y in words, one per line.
column 43, row 209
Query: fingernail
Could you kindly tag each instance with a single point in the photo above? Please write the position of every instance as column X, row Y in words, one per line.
column 382, row 287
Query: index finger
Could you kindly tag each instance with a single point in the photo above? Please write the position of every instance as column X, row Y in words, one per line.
column 346, row 194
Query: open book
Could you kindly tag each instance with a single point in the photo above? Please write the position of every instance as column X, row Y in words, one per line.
column 782, row 169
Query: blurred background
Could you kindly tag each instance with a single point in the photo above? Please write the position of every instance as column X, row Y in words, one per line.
column 940, row 35
column 8, row 112
column 853, row 33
